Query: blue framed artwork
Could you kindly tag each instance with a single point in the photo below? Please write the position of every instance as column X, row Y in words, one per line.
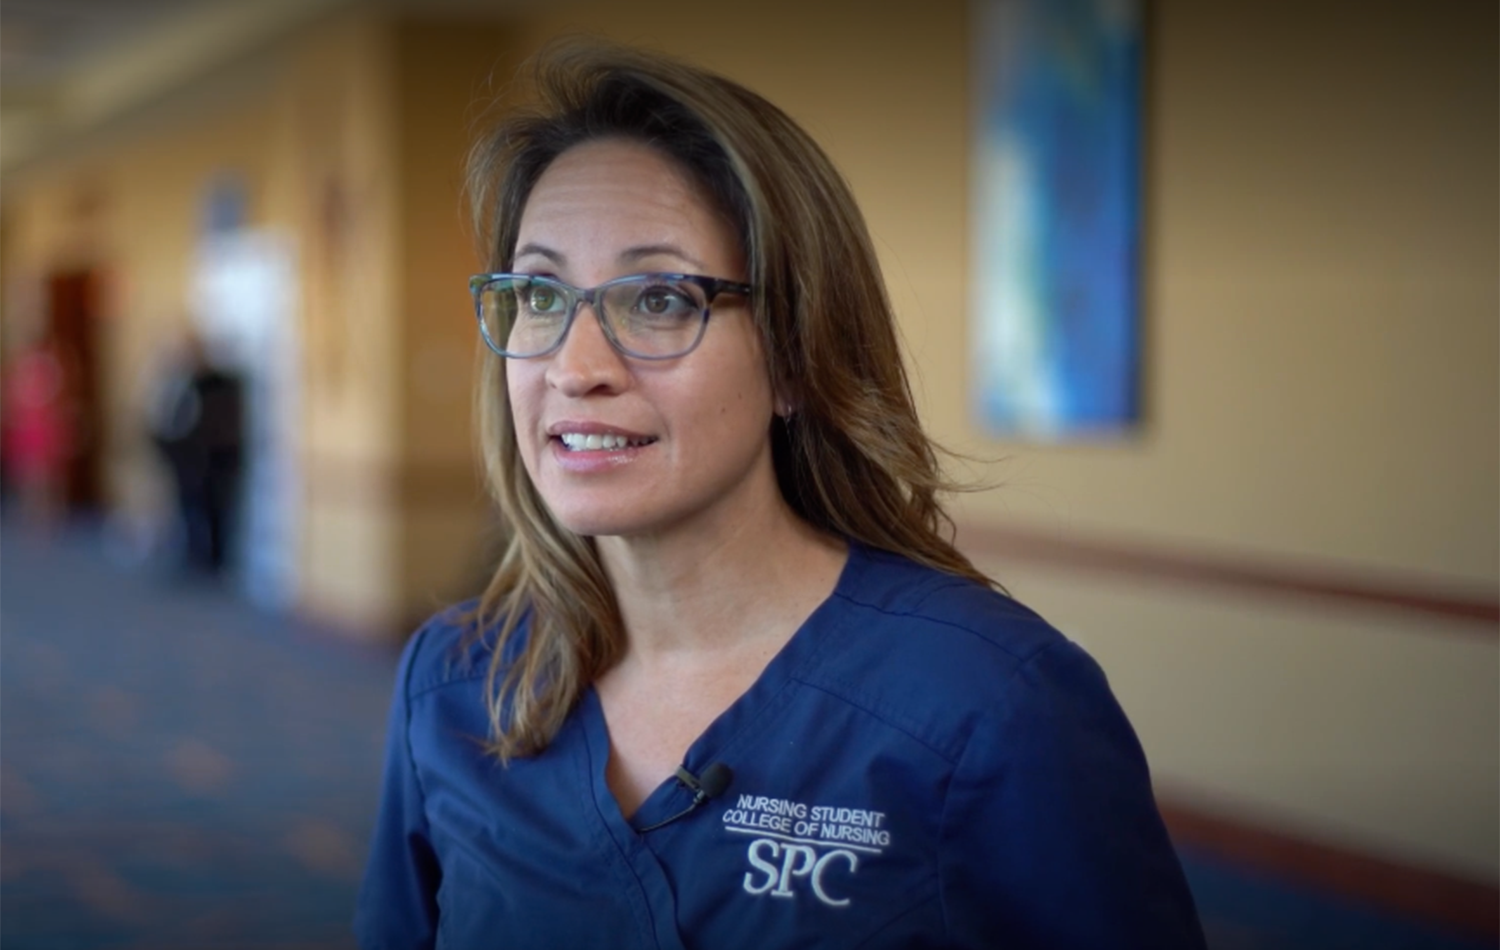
column 1055, row 322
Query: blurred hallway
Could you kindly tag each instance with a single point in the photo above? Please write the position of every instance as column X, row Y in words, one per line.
column 179, row 772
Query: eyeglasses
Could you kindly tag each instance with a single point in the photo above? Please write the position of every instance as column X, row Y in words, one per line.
column 647, row 316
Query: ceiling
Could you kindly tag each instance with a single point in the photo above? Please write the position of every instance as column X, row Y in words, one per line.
column 69, row 65
column 40, row 40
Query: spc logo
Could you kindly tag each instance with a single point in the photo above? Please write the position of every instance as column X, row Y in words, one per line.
column 795, row 843
column 784, row 864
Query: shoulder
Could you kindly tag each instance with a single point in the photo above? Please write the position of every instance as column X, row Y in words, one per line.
column 918, row 598
column 935, row 653
column 895, row 604
column 452, row 647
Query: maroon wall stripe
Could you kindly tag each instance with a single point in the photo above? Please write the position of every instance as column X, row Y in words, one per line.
column 1283, row 578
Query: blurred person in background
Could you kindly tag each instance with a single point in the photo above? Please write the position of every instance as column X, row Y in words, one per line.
column 731, row 684
column 197, row 423
column 39, row 436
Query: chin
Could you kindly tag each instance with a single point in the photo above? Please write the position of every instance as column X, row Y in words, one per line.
column 590, row 527
column 621, row 517
column 593, row 521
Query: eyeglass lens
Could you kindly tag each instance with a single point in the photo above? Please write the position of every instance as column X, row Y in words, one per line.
column 650, row 315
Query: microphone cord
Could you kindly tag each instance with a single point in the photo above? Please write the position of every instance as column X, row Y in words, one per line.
column 716, row 778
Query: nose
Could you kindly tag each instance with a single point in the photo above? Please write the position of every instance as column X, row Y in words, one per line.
column 586, row 362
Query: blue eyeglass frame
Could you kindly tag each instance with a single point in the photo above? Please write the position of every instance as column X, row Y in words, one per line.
column 712, row 287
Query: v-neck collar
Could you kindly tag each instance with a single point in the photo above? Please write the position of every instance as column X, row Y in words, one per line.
column 728, row 732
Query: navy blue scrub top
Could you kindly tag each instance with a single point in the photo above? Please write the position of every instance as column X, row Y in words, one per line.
column 926, row 763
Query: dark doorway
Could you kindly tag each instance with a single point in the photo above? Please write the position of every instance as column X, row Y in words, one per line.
column 73, row 318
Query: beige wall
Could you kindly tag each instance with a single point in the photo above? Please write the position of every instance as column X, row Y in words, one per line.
column 447, row 70
column 339, row 177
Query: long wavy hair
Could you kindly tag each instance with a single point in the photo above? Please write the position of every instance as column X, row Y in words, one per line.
column 852, row 461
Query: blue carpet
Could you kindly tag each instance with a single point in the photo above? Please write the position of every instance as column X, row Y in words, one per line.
column 179, row 772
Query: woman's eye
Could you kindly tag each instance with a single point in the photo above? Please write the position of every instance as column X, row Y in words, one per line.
column 663, row 301
column 541, row 299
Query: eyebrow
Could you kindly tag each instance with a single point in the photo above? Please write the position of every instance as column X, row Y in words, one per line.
column 631, row 255
column 628, row 256
column 546, row 252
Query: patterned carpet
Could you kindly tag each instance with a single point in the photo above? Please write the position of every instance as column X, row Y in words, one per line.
column 179, row 772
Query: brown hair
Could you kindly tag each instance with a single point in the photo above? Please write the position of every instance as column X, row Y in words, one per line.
column 853, row 460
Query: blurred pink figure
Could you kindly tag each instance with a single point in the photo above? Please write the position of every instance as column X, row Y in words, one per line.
column 38, row 435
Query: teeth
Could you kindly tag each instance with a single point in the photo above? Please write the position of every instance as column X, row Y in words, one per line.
column 579, row 442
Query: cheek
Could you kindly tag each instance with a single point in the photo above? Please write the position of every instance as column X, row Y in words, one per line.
column 740, row 378
column 740, row 401
column 520, row 392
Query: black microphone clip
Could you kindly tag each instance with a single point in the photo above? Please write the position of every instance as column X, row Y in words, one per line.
column 711, row 784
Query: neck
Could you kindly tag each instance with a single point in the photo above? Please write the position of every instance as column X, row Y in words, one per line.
column 718, row 593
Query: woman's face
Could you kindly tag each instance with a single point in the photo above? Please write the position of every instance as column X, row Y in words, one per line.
column 697, row 452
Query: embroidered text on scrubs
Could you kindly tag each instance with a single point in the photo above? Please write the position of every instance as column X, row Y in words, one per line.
column 796, row 843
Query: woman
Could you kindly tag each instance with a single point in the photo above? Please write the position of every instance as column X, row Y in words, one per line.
column 730, row 685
